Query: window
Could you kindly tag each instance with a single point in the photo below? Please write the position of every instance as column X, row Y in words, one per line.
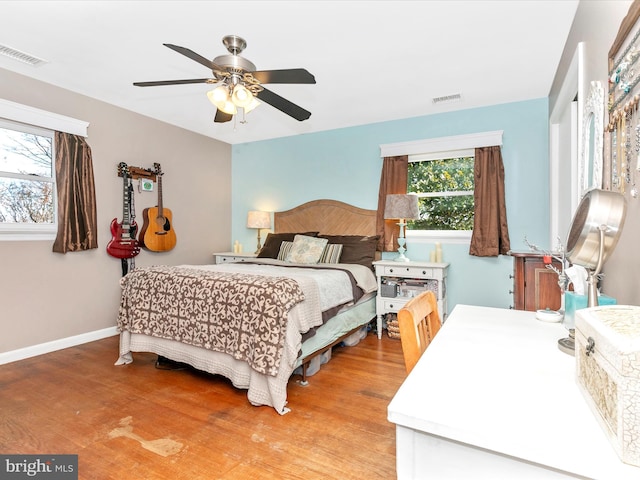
column 27, row 181
column 444, row 185
column 448, row 201
column 27, row 171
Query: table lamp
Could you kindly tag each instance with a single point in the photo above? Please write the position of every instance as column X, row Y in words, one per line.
column 401, row 207
column 258, row 220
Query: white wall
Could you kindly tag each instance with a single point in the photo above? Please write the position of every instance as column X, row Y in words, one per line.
column 596, row 25
column 46, row 296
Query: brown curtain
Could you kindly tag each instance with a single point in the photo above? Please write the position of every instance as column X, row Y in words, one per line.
column 77, row 225
column 490, row 236
column 393, row 180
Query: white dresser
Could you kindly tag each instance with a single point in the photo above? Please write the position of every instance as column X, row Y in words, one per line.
column 398, row 282
column 494, row 398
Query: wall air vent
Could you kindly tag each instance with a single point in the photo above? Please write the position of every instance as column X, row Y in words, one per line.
column 21, row 56
column 456, row 97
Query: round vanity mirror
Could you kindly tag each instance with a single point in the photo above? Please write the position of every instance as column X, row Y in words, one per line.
column 599, row 211
column 593, row 235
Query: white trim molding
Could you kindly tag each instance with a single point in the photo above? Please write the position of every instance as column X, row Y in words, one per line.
column 443, row 144
column 48, row 347
column 461, row 237
column 41, row 118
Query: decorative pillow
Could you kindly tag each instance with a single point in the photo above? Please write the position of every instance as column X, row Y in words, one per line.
column 306, row 249
column 331, row 253
column 271, row 246
column 359, row 249
column 285, row 248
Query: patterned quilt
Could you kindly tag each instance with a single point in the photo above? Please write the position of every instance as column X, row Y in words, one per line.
column 239, row 314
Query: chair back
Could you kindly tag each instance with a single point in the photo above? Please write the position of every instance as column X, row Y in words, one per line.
column 419, row 322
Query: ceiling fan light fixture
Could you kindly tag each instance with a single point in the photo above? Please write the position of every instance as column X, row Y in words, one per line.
column 241, row 97
column 228, row 107
column 218, row 96
column 253, row 104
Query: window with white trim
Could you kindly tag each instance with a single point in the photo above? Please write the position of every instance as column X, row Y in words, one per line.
column 27, row 181
column 449, row 154
column 444, row 184
column 15, row 174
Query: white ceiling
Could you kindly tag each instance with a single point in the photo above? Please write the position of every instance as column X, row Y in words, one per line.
column 373, row 60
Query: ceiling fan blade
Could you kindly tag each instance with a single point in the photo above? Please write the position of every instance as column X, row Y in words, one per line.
column 283, row 105
column 291, row 75
column 194, row 56
column 222, row 117
column 173, row 82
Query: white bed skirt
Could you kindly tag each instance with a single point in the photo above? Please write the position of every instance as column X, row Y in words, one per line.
column 261, row 389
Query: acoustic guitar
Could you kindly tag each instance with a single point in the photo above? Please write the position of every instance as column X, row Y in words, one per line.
column 157, row 232
column 123, row 242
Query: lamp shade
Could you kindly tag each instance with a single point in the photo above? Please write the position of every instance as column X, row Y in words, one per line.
column 257, row 219
column 218, row 96
column 254, row 103
column 401, row 206
column 241, row 96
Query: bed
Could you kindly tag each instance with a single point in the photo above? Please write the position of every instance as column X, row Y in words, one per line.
column 256, row 323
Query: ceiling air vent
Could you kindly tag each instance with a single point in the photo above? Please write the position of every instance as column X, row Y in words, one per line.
column 21, row 56
column 456, row 97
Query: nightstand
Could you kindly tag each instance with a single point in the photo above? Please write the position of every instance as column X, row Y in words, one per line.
column 398, row 282
column 230, row 257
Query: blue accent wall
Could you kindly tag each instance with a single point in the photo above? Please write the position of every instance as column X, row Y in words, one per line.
column 345, row 165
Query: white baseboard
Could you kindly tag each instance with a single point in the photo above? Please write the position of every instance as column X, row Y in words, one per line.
column 48, row 347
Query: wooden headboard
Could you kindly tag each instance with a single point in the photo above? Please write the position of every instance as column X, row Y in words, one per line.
column 329, row 217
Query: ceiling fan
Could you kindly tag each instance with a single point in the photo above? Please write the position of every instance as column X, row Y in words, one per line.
column 240, row 85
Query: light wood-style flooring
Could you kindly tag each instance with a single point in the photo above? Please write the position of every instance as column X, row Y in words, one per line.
column 137, row 422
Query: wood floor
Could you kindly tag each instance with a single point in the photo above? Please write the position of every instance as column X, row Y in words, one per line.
column 137, row 422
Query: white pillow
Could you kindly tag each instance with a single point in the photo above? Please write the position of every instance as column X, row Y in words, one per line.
column 306, row 249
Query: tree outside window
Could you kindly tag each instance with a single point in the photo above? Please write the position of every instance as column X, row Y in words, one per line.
column 445, row 192
column 27, row 181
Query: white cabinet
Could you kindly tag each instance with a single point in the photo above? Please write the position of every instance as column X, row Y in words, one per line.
column 230, row 257
column 398, row 282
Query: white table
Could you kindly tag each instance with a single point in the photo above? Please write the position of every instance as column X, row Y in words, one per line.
column 494, row 398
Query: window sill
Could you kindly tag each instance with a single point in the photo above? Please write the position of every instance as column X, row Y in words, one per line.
column 22, row 237
column 428, row 236
column 15, row 233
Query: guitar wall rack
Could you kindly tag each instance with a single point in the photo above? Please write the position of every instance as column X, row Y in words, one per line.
column 137, row 172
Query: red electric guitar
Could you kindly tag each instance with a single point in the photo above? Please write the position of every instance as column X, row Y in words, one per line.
column 123, row 243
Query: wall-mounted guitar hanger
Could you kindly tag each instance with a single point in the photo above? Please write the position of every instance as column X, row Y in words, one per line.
column 137, row 172
column 157, row 232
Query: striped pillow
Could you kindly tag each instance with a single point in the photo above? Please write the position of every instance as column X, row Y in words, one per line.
column 331, row 253
column 285, row 248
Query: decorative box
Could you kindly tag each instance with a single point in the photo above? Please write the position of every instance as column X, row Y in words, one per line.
column 608, row 373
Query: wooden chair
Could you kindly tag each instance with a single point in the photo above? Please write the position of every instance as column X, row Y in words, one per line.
column 419, row 322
